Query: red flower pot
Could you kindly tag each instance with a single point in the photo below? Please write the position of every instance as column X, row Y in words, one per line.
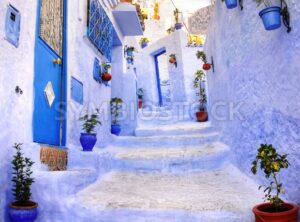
column 202, row 116
column 263, row 213
column 140, row 103
column 106, row 77
column 206, row 66
column 172, row 60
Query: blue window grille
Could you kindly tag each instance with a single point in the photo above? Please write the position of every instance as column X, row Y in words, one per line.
column 96, row 70
column 77, row 90
column 100, row 29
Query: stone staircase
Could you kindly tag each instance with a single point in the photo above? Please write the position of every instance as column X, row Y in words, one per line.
column 165, row 173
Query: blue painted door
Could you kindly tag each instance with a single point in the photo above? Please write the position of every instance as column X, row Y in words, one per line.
column 48, row 79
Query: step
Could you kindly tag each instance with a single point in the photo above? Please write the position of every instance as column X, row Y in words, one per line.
column 206, row 157
column 166, row 140
column 56, row 184
column 222, row 195
column 184, row 128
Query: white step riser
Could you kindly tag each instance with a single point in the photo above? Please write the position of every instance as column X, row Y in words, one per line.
column 163, row 132
column 177, row 165
column 170, row 142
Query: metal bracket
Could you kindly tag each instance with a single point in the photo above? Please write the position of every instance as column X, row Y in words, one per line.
column 285, row 16
column 241, row 3
column 212, row 64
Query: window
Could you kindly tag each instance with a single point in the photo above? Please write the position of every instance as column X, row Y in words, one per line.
column 100, row 28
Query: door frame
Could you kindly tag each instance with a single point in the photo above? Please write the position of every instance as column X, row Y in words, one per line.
column 63, row 96
column 156, row 55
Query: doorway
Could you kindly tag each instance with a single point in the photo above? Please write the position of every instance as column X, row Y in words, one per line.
column 50, row 73
column 163, row 78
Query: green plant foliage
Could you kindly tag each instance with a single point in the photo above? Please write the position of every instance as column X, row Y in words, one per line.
column 271, row 163
column 201, row 55
column 140, row 93
column 90, row 122
column 129, row 48
column 21, row 179
column 144, row 40
column 176, row 15
column 198, row 81
column 106, row 66
column 115, row 106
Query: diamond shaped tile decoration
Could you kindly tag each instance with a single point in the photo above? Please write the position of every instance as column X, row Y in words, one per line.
column 49, row 93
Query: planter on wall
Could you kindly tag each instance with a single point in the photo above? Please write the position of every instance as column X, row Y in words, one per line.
column 178, row 26
column 271, row 17
column 262, row 215
column 88, row 141
column 23, row 214
column 230, row 4
column 144, row 45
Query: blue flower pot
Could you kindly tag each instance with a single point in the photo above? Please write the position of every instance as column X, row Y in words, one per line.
column 116, row 129
column 178, row 26
column 230, row 4
column 23, row 214
column 129, row 61
column 88, row 141
column 129, row 53
column 144, row 44
column 271, row 17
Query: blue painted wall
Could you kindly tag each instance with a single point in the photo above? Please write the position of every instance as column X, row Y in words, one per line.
column 257, row 78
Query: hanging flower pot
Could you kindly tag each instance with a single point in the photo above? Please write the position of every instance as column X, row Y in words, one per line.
column 172, row 60
column 144, row 45
column 230, row 4
column 178, row 26
column 106, row 76
column 206, row 66
column 271, row 17
column 129, row 50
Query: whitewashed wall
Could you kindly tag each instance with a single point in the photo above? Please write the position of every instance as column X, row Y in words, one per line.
column 257, row 74
column 17, row 68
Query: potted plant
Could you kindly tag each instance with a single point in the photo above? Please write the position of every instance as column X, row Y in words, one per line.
column 23, row 209
column 178, row 25
column 201, row 115
column 271, row 163
column 129, row 59
column 88, row 139
column 129, row 51
column 201, row 55
column 271, row 15
column 115, row 106
column 140, row 94
column 172, row 59
column 144, row 42
column 230, row 4
column 106, row 76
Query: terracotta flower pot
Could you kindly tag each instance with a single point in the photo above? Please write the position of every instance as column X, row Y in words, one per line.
column 106, row 77
column 263, row 213
column 202, row 116
column 206, row 66
column 172, row 60
column 140, row 103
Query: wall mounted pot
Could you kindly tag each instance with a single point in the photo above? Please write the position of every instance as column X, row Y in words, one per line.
column 140, row 103
column 271, row 17
column 172, row 60
column 88, row 141
column 202, row 116
column 144, row 45
column 206, row 66
column 23, row 214
column 230, row 4
column 129, row 53
column 115, row 129
column 290, row 214
column 106, row 76
column 178, row 26
column 129, row 61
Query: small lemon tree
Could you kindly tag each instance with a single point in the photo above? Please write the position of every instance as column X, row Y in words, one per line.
column 271, row 163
